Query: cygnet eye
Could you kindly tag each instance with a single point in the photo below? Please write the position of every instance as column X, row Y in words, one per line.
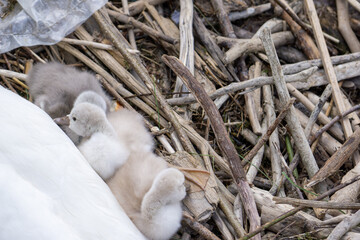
column 74, row 118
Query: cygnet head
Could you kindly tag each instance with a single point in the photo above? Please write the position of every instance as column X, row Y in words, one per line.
column 91, row 97
column 86, row 119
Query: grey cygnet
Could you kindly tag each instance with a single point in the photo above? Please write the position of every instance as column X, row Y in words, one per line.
column 55, row 86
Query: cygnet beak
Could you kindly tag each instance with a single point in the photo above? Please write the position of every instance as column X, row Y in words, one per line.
column 62, row 120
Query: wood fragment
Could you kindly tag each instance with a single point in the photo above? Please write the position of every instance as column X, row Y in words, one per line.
column 316, row 204
column 338, row 159
column 329, row 69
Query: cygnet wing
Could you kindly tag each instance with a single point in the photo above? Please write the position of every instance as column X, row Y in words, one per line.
column 40, row 153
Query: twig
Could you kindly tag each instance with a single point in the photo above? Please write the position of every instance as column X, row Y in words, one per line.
column 328, row 67
column 343, row 227
column 88, row 43
column 335, row 60
column 249, row 12
column 355, row 4
column 332, row 122
column 271, row 128
column 186, row 55
column 12, row 74
column 344, row 26
column 317, row 204
column 254, row 45
column 255, row 82
column 222, row 137
column 337, row 159
column 292, row 14
column 223, row 18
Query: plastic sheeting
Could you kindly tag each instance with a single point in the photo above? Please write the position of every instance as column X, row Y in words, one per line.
column 43, row 22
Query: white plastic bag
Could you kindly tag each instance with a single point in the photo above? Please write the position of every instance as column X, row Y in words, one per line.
column 43, row 22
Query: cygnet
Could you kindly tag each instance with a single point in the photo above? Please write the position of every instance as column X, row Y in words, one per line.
column 150, row 193
column 54, row 88
column 101, row 147
column 129, row 126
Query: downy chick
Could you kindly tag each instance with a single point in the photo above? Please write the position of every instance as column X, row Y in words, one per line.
column 54, row 88
column 150, row 193
column 101, row 147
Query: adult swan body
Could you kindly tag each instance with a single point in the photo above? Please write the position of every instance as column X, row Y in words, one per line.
column 47, row 189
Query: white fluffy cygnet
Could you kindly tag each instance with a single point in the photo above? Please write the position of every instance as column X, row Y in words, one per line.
column 129, row 126
column 101, row 147
column 55, row 86
column 150, row 193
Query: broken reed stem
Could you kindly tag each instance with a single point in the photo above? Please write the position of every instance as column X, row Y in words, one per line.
column 317, row 204
column 328, row 67
column 119, row 42
column 295, row 210
column 222, row 137
column 332, row 122
column 270, row 130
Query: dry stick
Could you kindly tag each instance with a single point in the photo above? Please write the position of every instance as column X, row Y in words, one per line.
column 143, row 27
column 249, row 12
column 186, row 55
column 328, row 67
column 213, row 48
column 337, row 159
column 355, row 4
column 297, row 67
column 139, row 68
column 138, row 6
column 88, row 43
column 295, row 210
column 12, row 74
column 291, row 119
column 345, row 226
column 288, row 170
column 254, row 45
column 255, row 82
column 223, row 18
column 292, row 14
column 222, row 137
column 198, row 227
column 305, row 41
column 316, row 204
column 344, row 26
column 269, row 108
column 130, row 31
column 332, row 122
column 266, row 136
